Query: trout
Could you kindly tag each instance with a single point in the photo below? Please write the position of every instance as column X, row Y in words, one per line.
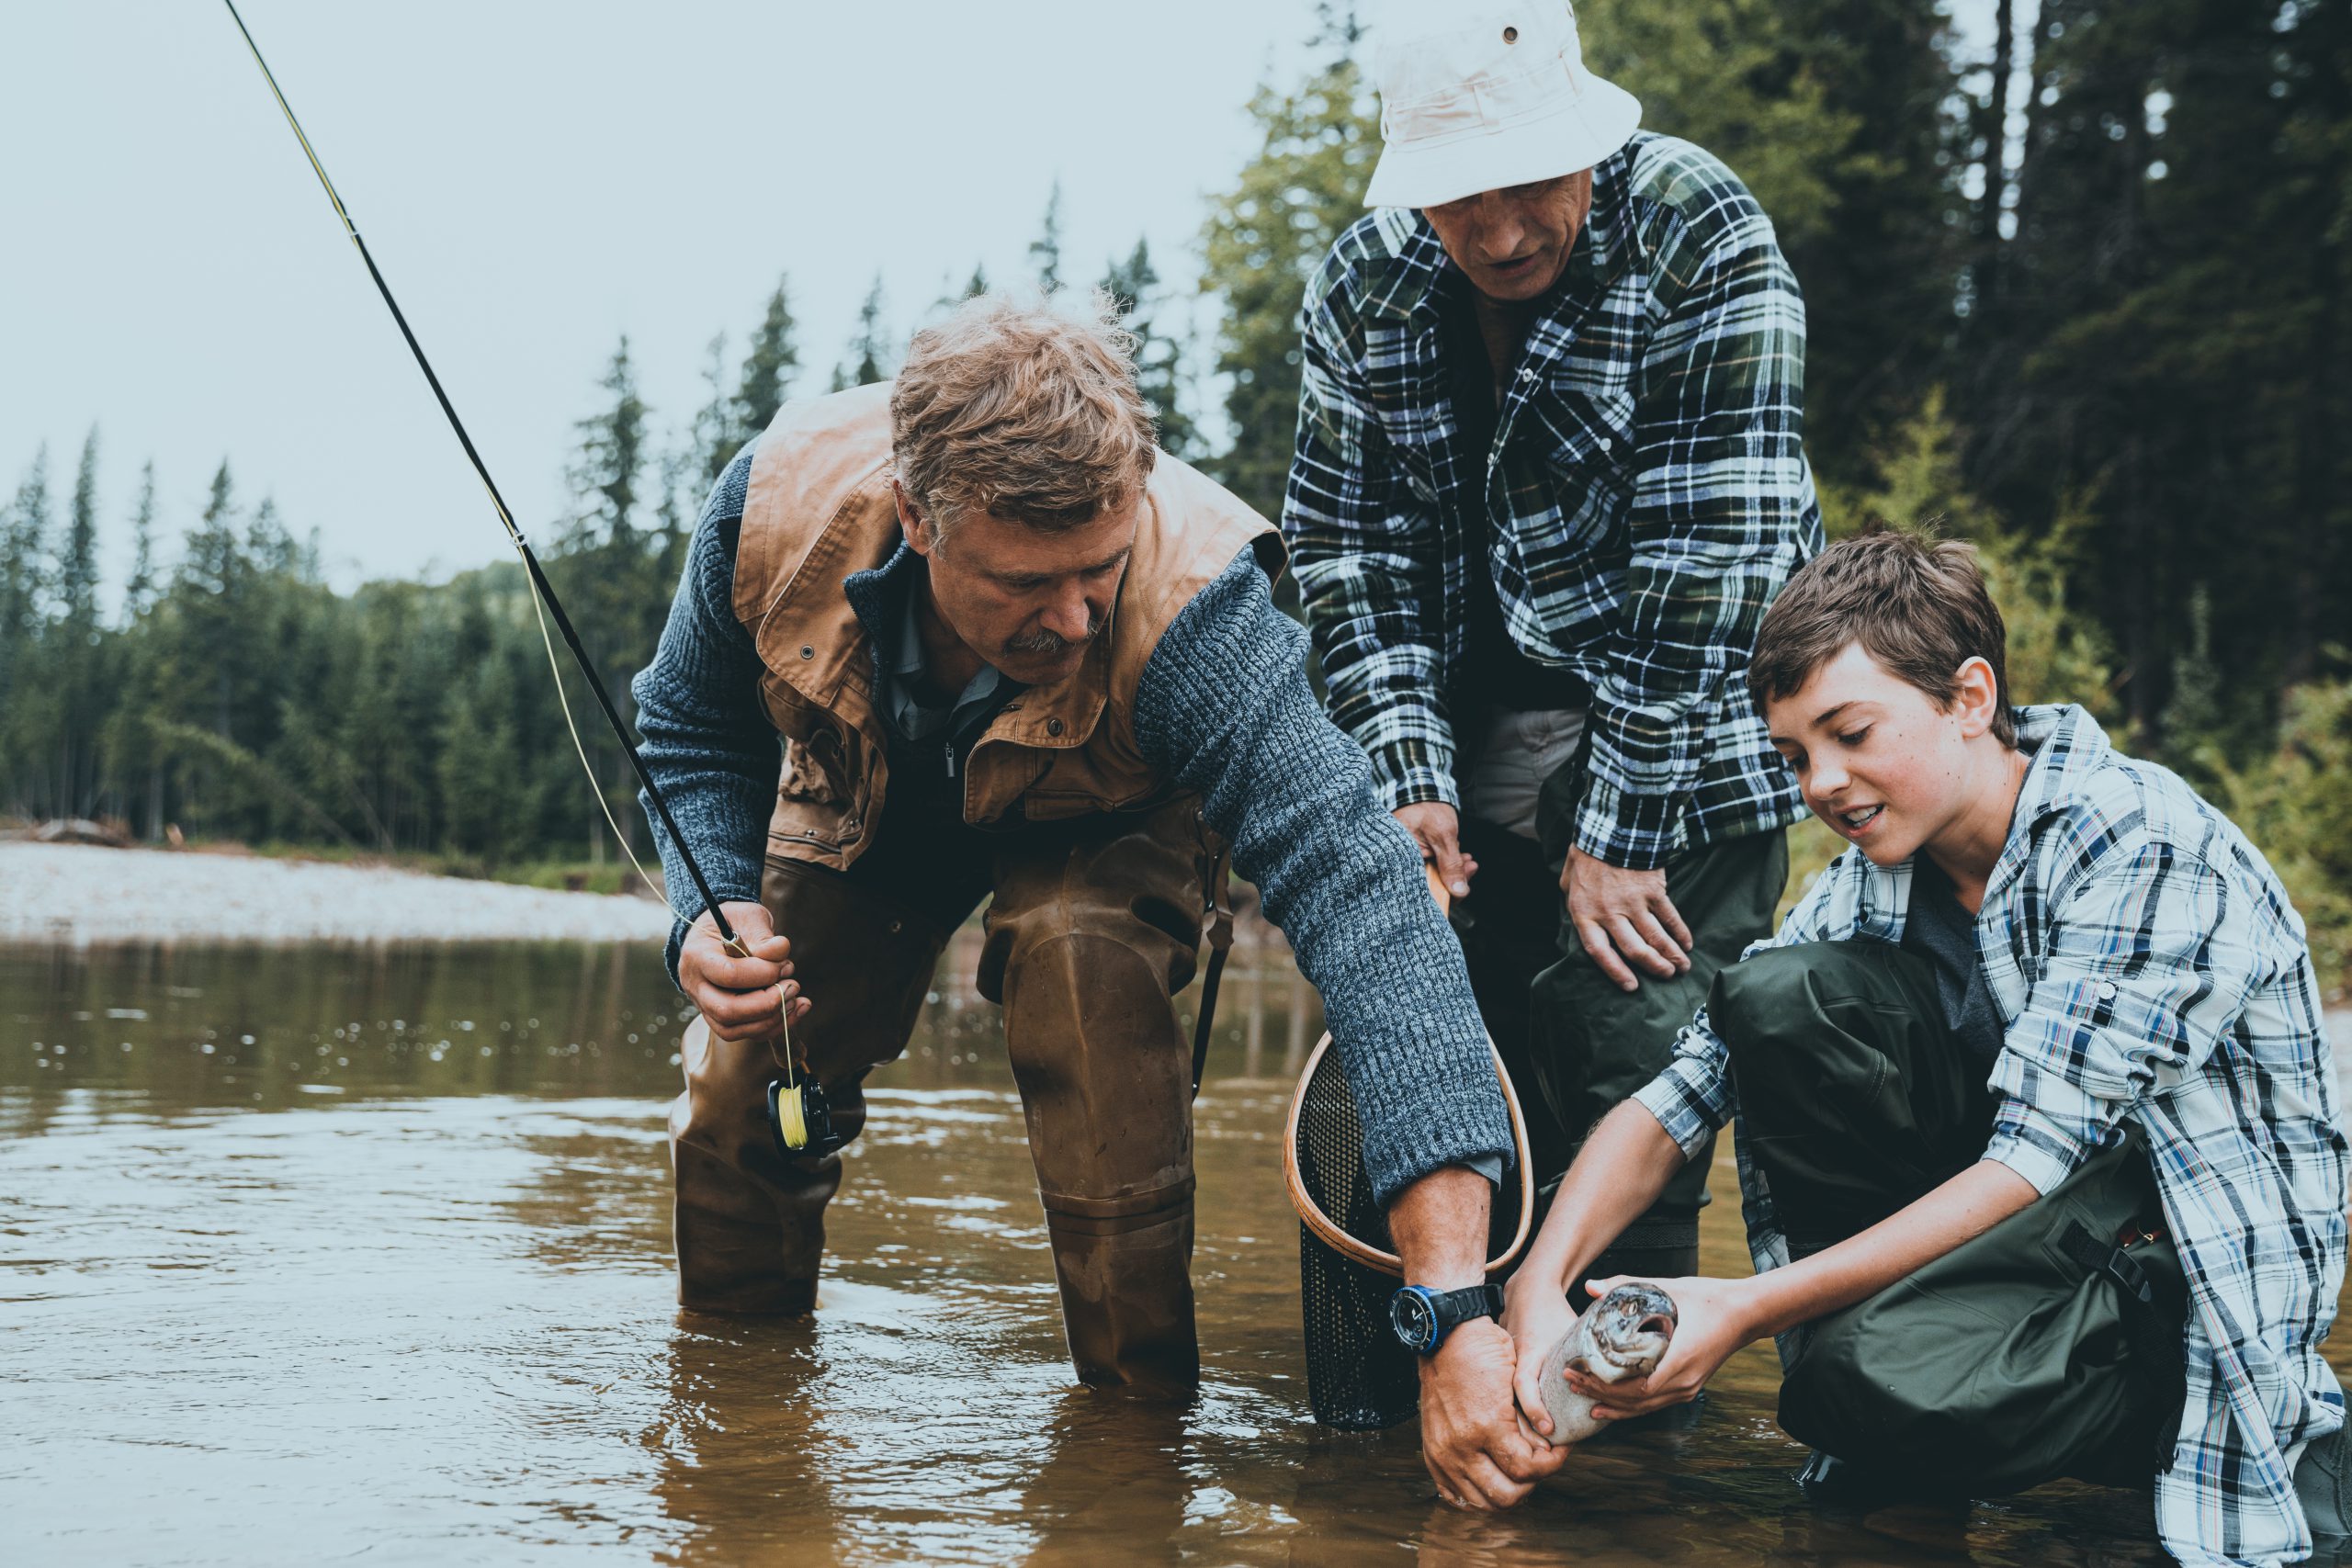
column 1623, row 1335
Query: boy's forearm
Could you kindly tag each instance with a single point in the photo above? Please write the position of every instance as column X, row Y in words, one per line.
column 1961, row 1209
column 1624, row 1164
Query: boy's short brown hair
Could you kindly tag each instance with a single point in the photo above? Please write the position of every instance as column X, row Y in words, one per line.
column 1024, row 409
column 1918, row 604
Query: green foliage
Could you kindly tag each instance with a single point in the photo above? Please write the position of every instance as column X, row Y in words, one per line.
column 769, row 370
column 2295, row 803
column 612, row 456
column 2055, row 654
column 2127, row 261
column 870, row 354
column 1832, row 112
column 1264, row 238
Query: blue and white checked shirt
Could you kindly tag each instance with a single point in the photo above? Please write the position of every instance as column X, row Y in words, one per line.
column 2147, row 967
column 1644, row 498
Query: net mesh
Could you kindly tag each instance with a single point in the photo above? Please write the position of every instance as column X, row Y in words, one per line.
column 1358, row 1377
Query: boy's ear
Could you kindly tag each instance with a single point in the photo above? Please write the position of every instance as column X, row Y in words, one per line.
column 1975, row 697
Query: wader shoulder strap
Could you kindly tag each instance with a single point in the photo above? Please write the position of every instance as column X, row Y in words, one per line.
column 1217, row 910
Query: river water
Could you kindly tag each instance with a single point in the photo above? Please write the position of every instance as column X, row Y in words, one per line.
column 314, row 1254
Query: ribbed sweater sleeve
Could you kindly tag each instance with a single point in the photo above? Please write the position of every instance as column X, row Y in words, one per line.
column 705, row 738
column 1225, row 710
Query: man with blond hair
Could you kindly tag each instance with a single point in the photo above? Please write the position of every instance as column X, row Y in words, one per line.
column 970, row 635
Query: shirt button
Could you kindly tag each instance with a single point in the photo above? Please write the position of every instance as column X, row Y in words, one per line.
column 1053, row 727
column 1528, row 375
column 2107, row 990
column 1607, row 444
column 807, row 652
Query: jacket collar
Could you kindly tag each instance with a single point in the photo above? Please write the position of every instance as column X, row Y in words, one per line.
column 1051, row 717
column 2066, row 747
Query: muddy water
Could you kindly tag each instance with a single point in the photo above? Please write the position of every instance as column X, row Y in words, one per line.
column 308, row 1253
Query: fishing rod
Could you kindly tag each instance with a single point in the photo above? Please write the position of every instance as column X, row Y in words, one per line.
column 543, row 593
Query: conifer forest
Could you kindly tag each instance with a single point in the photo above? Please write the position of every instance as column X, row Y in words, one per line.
column 2079, row 298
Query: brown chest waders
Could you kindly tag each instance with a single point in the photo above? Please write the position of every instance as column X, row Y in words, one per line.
column 1093, row 926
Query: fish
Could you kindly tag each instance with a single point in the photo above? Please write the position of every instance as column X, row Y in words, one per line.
column 1623, row 1335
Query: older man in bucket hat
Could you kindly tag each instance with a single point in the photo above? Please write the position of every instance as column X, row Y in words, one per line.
column 1549, row 475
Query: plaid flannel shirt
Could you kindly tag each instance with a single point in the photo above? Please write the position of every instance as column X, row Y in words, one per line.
column 1646, row 486
column 2148, row 966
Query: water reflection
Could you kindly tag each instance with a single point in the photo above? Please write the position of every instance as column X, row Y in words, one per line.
column 372, row 1246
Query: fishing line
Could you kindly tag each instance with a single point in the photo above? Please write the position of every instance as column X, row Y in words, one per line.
column 544, row 604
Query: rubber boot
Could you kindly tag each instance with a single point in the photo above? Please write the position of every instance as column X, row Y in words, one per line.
column 1093, row 929
column 750, row 1219
column 1127, row 1286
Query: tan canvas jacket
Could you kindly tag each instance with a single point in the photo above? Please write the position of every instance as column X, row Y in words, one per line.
column 818, row 508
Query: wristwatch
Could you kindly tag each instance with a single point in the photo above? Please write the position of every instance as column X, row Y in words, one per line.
column 1422, row 1317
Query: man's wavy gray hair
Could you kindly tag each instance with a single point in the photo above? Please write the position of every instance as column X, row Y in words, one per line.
column 1022, row 407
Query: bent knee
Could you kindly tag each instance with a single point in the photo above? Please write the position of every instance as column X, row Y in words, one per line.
column 1757, row 1000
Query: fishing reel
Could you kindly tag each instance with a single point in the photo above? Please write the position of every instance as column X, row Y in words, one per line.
column 800, row 1120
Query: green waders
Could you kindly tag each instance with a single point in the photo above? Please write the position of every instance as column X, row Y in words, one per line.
column 2050, row 1346
column 1574, row 1042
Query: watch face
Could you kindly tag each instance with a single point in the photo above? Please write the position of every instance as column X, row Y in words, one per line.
column 1415, row 1320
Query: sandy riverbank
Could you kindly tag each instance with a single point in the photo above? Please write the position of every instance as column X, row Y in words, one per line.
column 84, row 896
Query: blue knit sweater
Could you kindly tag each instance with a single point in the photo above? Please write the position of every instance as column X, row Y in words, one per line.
column 1225, row 712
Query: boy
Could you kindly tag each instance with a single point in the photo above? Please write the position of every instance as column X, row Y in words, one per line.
column 2074, row 930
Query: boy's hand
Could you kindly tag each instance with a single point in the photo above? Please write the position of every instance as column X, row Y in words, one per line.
column 1479, row 1450
column 1621, row 911
column 1436, row 829
column 1536, row 1319
column 1713, row 1319
column 740, row 999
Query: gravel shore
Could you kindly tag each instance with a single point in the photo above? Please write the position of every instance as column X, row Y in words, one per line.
column 84, row 895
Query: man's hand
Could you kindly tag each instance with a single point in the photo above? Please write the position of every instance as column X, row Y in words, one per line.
column 1536, row 1317
column 1437, row 828
column 1621, row 911
column 1479, row 1453
column 740, row 999
column 1713, row 1319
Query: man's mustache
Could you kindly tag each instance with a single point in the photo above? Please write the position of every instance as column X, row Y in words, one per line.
column 1046, row 644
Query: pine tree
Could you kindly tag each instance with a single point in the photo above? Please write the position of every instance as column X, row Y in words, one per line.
column 869, row 350
column 77, row 571
column 710, row 439
column 769, row 370
column 612, row 456
column 1134, row 283
column 139, row 592
column 23, row 565
column 1831, row 112
column 24, row 575
column 1046, row 250
column 1263, row 241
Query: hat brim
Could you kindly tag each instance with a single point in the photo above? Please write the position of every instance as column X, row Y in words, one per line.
column 1579, row 136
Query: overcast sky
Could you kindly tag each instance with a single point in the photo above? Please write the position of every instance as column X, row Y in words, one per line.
column 535, row 181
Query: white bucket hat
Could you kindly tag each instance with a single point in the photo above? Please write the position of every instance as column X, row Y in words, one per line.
column 1477, row 99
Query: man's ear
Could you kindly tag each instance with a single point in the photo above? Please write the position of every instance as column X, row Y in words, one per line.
column 912, row 526
column 1975, row 697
